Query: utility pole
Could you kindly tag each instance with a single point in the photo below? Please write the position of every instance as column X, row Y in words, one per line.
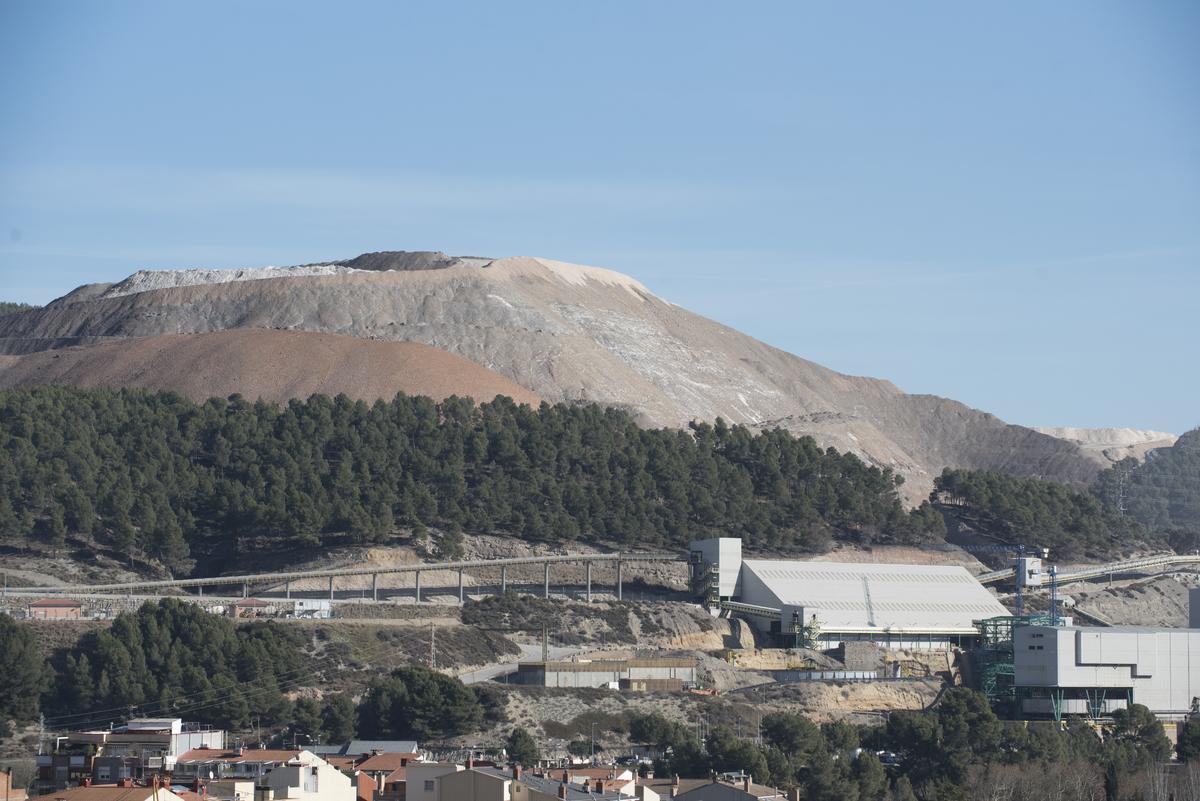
column 432, row 646
column 545, row 644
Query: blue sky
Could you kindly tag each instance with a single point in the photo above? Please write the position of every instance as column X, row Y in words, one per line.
column 998, row 203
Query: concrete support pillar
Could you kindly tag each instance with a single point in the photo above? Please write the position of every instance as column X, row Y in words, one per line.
column 503, row 579
column 331, row 588
column 546, row 581
column 618, row 579
column 200, row 589
column 287, row 589
column 589, row 581
column 374, row 586
column 460, row 587
column 417, row 573
column 245, row 591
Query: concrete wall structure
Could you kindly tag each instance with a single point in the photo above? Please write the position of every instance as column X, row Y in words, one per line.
column 725, row 553
column 606, row 672
column 318, row 608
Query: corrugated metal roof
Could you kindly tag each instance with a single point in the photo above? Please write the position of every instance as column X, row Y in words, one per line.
column 901, row 596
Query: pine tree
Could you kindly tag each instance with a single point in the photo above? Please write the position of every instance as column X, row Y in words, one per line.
column 22, row 669
column 522, row 748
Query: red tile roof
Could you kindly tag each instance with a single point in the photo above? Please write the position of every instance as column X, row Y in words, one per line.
column 246, row 755
column 108, row 792
column 48, row 603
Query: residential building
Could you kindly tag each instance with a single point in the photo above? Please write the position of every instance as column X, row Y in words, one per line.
column 7, row 791
column 251, row 607
column 125, row 790
column 276, row 775
column 514, row 784
column 740, row 788
column 369, row 747
column 250, row 764
column 139, row 749
column 364, row 786
column 421, row 779
column 305, row 778
column 228, row 789
column 55, row 609
column 381, row 766
column 618, row 779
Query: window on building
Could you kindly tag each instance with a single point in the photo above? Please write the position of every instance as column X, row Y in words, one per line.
column 429, row 785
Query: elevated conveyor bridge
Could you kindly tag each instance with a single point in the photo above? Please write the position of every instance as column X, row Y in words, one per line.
column 1100, row 571
column 157, row 587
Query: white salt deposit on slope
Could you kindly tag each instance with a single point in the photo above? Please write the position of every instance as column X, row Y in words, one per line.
column 1106, row 437
column 579, row 275
column 147, row 280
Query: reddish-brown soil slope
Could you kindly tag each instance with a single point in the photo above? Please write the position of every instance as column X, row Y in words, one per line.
column 263, row 363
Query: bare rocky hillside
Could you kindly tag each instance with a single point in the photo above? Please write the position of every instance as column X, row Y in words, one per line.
column 1114, row 444
column 567, row 333
column 260, row 363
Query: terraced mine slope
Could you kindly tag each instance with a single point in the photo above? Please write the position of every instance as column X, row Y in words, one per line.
column 565, row 332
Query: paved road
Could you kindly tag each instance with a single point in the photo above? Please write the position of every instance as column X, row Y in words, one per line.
column 529, row 653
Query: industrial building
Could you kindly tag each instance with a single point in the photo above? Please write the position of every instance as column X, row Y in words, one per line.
column 655, row 675
column 1068, row 670
column 902, row 606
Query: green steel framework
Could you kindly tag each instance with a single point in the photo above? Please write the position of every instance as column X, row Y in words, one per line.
column 705, row 583
column 994, row 657
column 994, row 661
column 1095, row 697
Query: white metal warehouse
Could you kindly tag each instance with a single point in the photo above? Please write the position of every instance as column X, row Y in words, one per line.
column 903, row 606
